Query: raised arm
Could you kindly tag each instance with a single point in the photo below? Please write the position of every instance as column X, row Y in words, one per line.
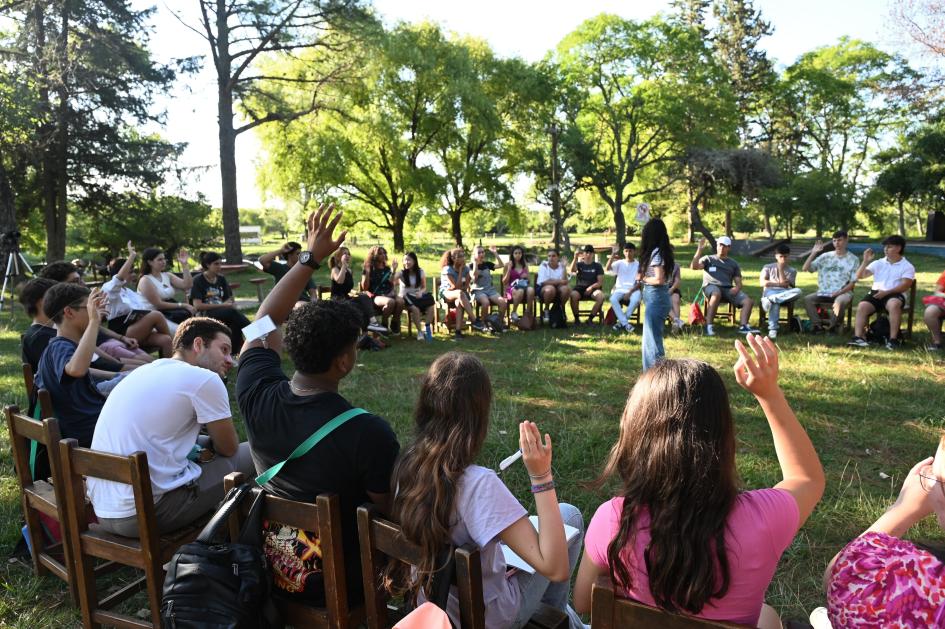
column 814, row 252
column 572, row 268
column 266, row 259
column 867, row 258
column 281, row 299
column 125, row 271
column 695, row 264
column 803, row 476
column 185, row 282
column 81, row 359
column 546, row 550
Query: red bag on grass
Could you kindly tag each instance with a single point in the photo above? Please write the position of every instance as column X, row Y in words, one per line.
column 695, row 311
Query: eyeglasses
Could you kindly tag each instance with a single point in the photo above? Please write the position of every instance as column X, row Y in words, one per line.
column 927, row 481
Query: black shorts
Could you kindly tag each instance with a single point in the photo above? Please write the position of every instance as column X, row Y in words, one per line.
column 676, row 291
column 119, row 325
column 582, row 292
column 880, row 304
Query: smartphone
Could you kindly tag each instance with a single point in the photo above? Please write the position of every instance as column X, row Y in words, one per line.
column 258, row 329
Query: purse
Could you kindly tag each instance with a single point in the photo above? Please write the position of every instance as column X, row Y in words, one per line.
column 424, row 301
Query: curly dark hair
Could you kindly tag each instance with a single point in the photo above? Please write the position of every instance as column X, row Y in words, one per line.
column 33, row 291
column 319, row 332
column 58, row 271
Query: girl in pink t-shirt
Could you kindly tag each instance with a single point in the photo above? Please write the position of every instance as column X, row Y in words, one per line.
column 680, row 535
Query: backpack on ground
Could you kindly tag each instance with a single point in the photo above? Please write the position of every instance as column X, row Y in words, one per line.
column 214, row 584
column 556, row 316
column 610, row 318
column 878, row 331
column 495, row 322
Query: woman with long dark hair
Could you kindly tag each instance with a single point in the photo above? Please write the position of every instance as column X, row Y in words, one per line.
column 442, row 498
column 516, row 280
column 656, row 273
column 680, row 535
column 413, row 290
column 377, row 282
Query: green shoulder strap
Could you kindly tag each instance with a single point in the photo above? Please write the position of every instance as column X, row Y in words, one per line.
column 309, row 443
column 34, row 446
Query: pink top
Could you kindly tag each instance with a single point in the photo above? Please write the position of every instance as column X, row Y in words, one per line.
column 762, row 524
column 883, row 581
column 520, row 274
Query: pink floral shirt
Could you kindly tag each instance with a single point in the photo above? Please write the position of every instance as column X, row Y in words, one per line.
column 883, row 581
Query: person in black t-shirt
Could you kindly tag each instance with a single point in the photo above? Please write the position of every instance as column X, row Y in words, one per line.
column 342, row 283
column 212, row 297
column 354, row 461
column 589, row 283
column 377, row 282
column 290, row 253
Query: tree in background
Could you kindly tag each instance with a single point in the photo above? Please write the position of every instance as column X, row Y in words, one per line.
column 243, row 32
column 89, row 77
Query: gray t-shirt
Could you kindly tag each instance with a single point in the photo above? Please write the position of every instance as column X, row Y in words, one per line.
column 657, row 260
column 773, row 273
column 456, row 277
column 717, row 271
column 484, row 508
column 483, row 277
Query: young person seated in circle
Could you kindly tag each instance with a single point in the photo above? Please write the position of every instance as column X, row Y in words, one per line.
column 483, row 291
column 516, row 280
column 454, row 289
column 115, row 350
column 442, row 498
column 722, row 281
column 552, row 281
column 675, row 457
column 160, row 287
column 377, row 282
column 63, row 369
column 893, row 275
column 626, row 286
column 412, row 283
column 588, row 284
column 882, row 580
column 935, row 314
column 354, row 460
column 290, row 253
column 130, row 313
column 160, row 410
column 836, row 279
column 675, row 298
column 342, row 283
column 778, row 286
column 212, row 297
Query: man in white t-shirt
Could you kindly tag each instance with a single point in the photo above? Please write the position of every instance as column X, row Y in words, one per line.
column 553, row 281
column 892, row 278
column 626, row 287
column 160, row 411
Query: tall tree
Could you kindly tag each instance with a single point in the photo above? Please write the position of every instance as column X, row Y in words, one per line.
column 242, row 32
column 691, row 14
column 90, row 75
column 646, row 91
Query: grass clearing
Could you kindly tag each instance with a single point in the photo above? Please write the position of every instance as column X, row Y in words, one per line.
column 868, row 412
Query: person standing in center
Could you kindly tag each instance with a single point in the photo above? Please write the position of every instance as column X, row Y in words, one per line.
column 656, row 272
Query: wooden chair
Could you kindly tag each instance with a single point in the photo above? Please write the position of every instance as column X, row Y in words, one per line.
column 41, row 496
column 324, row 517
column 908, row 312
column 406, row 311
column 381, row 539
column 611, row 612
column 730, row 314
column 148, row 553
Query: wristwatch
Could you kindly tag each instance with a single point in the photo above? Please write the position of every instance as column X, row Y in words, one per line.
column 306, row 258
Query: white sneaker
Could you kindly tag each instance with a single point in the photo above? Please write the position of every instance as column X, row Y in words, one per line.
column 709, row 330
column 546, row 317
column 514, row 317
column 629, row 327
column 421, row 336
column 772, row 334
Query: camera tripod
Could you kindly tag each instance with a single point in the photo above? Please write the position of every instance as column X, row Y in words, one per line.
column 16, row 264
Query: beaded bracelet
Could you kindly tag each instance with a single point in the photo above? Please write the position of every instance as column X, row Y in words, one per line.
column 537, row 489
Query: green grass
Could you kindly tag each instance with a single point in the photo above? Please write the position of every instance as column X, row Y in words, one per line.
column 869, row 412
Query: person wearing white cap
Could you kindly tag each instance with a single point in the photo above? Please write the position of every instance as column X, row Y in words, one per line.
column 722, row 281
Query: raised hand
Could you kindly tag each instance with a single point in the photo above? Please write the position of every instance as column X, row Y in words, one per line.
column 494, row 250
column 393, row 266
column 914, row 499
column 818, row 246
column 757, row 374
column 868, row 255
column 131, row 250
column 535, row 455
column 321, row 227
column 703, row 242
column 183, row 257
column 96, row 305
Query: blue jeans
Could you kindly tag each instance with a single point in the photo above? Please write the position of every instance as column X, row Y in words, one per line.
column 656, row 305
column 615, row 298
column 772, row 300
column 537, row 589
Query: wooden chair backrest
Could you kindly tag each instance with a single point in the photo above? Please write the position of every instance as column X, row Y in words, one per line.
column 324, row 519
column 22, row 430
column 608, row 611
column 381, row 539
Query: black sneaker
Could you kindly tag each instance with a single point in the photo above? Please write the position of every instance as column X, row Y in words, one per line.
column 458, row 334
column 893, row 344
column 858, row 341
column 479, row 326
column 934, row 347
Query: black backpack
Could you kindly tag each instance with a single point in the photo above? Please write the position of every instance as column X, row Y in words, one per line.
column 495, row 323
column 221, row 585
column 878, row 332
column 556, row 316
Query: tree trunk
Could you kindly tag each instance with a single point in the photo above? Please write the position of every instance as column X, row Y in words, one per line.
column 231, row 212
column 695, row 219
column 768, row 227
column 692, row 233
column 620, row 223
column 902, row 217
column 56, row 163
column 456, row 227
column 399, row 217
column 728, row 222
column 7, row 212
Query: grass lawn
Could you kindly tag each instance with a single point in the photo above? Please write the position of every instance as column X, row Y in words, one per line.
column 871, row 414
